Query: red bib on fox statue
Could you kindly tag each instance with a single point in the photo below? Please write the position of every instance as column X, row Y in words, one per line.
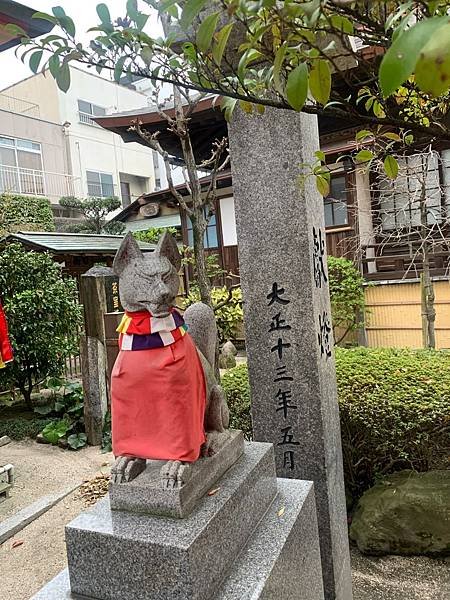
column 158, row 390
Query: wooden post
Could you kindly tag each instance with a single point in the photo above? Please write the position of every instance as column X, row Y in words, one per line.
column 99, row 295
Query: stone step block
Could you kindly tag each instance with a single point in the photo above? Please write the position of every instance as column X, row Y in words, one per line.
column 281, row 560
column 145, row 494
column 123, row 556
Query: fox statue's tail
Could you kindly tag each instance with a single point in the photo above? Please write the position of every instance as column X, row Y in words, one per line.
column 203, row 329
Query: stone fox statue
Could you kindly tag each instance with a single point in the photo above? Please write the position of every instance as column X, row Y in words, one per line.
column 166, row 402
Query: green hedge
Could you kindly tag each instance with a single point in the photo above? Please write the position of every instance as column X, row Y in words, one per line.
column 26, row 213
column 394, row 406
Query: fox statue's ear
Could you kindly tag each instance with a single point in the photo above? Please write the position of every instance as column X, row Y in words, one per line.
column 128, row 251
column 167, row 247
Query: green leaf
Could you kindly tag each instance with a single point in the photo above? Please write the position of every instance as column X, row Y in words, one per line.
column 364, row 133
column 65, row 21
column 118, row 69
column 400, row 59
column 221, row 42
column 322, row 185
column 320, row 155
column 433, row 67
column 55, row 430
column 103, row 14
column 228, row 106
column 35, row 59
column 320, row 81
column 249, row 56
column 391, row 167
column 364, row 156
column 390, row 135
column 277, row 65
column 206, row 31
column 15, row 30
column 147, row 55
column 77, row 440
column 297, row 87
column 45, row 17
column 63, row 78
column 191, row 8
column 342, row 24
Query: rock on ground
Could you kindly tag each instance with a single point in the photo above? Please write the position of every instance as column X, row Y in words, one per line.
column 406, row 513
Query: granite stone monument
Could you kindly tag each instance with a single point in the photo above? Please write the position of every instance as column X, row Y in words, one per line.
column 289, row 340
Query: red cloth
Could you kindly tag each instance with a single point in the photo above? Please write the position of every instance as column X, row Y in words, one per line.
column 6, row 353
column 158, row 399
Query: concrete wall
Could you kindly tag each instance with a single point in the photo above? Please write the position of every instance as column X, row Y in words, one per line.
column 95, row 149
column 90, row 147
column 395, row 315
column 55, row 162
column 39, row 89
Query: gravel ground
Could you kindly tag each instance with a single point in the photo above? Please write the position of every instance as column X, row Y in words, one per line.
column 400, row 578
column 37, row 553
column 41, row 469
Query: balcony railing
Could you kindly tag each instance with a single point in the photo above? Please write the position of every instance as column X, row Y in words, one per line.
column 38, row 183
column 394, row 261
column 86, row 119
column 17, row 105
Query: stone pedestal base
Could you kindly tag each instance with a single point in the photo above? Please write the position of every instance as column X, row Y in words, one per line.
column 145, row 494
column 255, row 538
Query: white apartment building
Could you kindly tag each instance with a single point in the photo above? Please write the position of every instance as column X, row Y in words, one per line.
column 50, row 146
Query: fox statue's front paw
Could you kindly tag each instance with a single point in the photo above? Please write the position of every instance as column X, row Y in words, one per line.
column 175, row 474
column 126, row 468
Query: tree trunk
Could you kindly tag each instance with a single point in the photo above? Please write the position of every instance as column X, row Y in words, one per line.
column 198, row 232
column 427, row 304
column 426, row 284
column 26, row 392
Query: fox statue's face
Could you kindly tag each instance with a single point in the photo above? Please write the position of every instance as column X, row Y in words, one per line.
column 148, row 282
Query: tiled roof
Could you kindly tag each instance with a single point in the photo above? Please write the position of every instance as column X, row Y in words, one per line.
column 72, row 243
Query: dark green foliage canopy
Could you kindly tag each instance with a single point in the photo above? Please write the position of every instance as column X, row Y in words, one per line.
column 94, row 211
column 43, row 316
column 25, row 213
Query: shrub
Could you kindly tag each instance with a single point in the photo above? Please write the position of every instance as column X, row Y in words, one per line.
column 228, row 316
column 152, row 235
column 43, row 315
column 395, row 411
column 66, row 408
column 27, row 213
column 394, row 408
column 347, row 297
column 237, row 389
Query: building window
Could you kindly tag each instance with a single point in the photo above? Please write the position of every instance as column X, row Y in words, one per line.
column 335, row 204
column 100, row 184
column 21, row 166
column 400, row 199
column 87, row 110
column 210, row 238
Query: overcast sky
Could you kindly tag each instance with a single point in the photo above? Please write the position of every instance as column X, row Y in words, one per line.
column 84, row 15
